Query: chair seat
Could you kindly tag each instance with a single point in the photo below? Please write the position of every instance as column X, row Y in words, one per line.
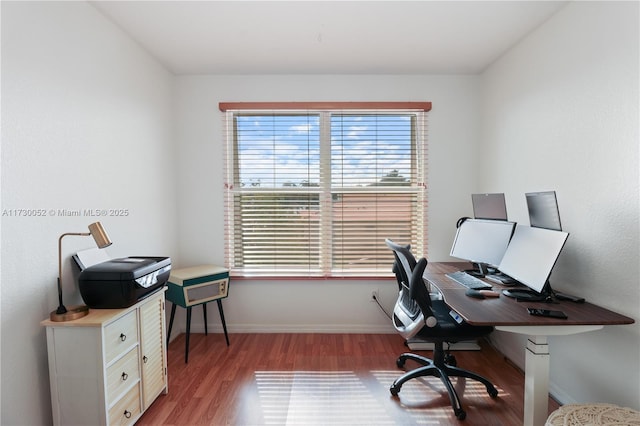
column 448, row 329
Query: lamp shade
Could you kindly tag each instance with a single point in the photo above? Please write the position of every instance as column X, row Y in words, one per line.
column 99, row 235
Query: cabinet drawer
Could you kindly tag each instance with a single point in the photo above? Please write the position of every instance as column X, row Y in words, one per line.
column 127, row 410
column 122, row 374
column 120, row 335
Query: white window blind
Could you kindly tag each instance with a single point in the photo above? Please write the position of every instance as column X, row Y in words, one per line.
column 314, row 192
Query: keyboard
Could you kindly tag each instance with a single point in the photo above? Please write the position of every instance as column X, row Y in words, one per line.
column 468, row 281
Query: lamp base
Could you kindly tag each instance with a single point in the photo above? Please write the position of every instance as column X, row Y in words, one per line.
column 72, row 313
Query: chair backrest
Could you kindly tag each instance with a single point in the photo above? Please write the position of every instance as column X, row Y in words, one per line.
column 404, row 258
column 412, row 310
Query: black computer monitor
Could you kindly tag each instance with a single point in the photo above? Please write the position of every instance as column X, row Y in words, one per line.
column 482, row 242
column 530, row 258
column 543, row 210
column 489, row 206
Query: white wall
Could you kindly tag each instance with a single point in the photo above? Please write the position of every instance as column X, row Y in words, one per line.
column 338, row 305
column 560, row 112
column 86, row 124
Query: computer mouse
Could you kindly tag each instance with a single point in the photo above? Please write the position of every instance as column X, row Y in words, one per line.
column 481, row 294
column 474, row 293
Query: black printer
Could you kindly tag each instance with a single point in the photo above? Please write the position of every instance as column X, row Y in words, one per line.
column 120, row 283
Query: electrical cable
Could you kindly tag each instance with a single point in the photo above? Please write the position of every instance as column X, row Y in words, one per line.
column 375, row 299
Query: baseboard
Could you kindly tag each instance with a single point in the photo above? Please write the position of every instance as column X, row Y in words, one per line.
column 289, row 328
column 419, row 345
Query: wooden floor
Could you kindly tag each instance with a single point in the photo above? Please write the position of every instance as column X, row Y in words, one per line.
column 324, row 379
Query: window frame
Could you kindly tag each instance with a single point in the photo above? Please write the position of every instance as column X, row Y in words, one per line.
column 326, row 271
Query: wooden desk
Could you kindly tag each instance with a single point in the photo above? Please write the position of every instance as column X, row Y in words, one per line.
column 507, row 314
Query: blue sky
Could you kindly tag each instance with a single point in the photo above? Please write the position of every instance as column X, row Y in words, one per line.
column 277, row 150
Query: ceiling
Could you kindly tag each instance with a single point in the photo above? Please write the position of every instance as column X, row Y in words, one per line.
column 327, row 37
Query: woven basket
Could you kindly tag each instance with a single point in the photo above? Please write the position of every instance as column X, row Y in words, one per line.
column 593, row 414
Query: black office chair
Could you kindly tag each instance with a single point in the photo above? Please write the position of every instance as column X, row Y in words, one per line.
column 416, row 314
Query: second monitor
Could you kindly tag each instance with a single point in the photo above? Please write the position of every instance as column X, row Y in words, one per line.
column 489, row 206
column 543, row 210
column 530, row 258
column 482, row 242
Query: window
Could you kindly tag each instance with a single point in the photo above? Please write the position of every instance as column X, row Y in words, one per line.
column 314, row 189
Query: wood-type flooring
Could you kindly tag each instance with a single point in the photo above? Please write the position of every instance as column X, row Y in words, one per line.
column 325, row 379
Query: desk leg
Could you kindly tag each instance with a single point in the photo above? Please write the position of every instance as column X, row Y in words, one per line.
column 224, row 324
column 536, row 381
column 173, row 314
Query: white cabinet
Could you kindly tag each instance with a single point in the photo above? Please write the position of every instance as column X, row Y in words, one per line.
column 109, row 366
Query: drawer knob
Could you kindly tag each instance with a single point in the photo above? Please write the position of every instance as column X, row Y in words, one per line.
column 127, row 414
column 124, row 376
column 145, row 359
column 123, row 337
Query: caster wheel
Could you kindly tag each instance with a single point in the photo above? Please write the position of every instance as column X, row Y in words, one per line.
column 460, row 414
column 400, row 362
column 451, row 360
column 394, row 390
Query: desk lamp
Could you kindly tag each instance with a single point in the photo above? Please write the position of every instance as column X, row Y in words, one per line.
column 62, row 313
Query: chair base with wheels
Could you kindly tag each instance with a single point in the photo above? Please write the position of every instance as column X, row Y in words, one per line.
column 443, row 366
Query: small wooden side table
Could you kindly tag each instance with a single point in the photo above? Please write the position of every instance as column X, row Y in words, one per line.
column 197, row 285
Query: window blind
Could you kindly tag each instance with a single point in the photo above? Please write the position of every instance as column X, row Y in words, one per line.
column 315, row 192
